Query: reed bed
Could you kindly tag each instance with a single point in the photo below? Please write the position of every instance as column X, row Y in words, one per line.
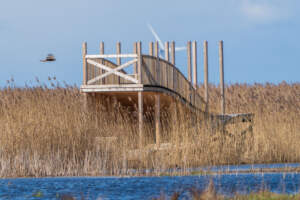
column 46, row 131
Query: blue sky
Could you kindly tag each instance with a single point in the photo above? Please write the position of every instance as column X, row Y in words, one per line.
column 261, row 37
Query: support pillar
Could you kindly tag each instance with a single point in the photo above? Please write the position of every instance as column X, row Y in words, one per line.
column 141, row 120
column 157, row 120
column 222, row 87
column 206, row 97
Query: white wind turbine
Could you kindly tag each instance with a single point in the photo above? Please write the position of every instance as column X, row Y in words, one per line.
column 160, row 44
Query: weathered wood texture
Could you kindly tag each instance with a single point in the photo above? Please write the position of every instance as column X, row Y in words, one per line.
column 149, row 71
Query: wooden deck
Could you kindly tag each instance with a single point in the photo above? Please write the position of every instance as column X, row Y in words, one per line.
column 148, row 76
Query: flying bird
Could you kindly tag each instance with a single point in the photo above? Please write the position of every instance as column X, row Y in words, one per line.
column 160, row 43
column 50, row 58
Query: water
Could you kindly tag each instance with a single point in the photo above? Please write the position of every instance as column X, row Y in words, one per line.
column 144, row 187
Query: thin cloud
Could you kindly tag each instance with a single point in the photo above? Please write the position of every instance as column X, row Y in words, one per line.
column 264, row 11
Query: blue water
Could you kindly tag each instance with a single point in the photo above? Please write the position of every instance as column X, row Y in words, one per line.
column 144, row 187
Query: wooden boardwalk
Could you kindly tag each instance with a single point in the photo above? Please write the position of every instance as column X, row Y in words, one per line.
column 150, row 79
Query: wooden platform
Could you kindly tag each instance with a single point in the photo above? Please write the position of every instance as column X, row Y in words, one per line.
column 149, row 80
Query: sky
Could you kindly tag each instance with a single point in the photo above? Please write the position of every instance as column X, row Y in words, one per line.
column 261, row 37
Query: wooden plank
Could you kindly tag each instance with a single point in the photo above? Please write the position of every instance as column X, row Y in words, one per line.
column 84, row 52
column 221, row 63
column 113, row 56
column 206, row 97
column 195, row 74
column 109, row 69
column 157, row 120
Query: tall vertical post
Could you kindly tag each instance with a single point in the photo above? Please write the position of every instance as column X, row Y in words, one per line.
column 206, row 97
column 140, row 94
column 84, row 52
column 101, row 53
column 221, row 62
column 172, row 47
column 189, row 64
column 157, row 120
column 85, row 75
column 189, row 61
column 157, row 66
column 118, row 60
column 195, row 79
column 167, row 51
column 173, row 62
column 151, row 48
column 135, row 70
column 166, row 77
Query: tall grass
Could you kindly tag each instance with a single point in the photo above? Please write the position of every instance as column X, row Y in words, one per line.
column 47, row 132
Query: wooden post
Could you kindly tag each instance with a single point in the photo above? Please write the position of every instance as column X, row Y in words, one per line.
column 166, row 67
column 195, row 79
column 140, row 94
column 85, row 77
column 167, row 51
column 189, row 62
column 118, row 60
column 173, row 62
column 151, row 48
column 221, row 62
column 141, row 120
column 157, row 70
column 206, row 97
column 85, row 71
column 101, row 53
column 135, row 70
column 172, row 47
column 139, row 52
column 157, row 120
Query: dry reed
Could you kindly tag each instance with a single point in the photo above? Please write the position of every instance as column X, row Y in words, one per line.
column 47, row 132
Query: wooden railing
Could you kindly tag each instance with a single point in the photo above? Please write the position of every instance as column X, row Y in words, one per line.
column 154, row 72
column 159, row 72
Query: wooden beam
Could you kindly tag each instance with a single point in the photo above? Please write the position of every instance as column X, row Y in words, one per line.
column 135, row 70
column 141, row 120
column 85, row 71
column 113, row 70
column 139, row 64
column 173, row 62
column 167, row 51
column 125, row 76
column 166, row 77
column 206, row 97
column 151, row 48
column 195, row 74
column 189, row 61
column 222, row 87
column 113, row 56
column 157, row 66
column 157, row 120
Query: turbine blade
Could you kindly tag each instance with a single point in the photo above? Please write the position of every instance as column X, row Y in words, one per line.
column 156, row 36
